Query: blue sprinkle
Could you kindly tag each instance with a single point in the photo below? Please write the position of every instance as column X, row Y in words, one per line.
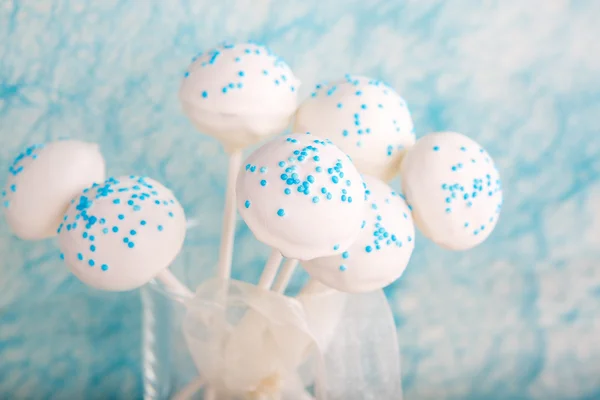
column 115, row 229
column 121, row 216
column 335, row 247
column 130, row 202
column 323, row 190
column 263, row 170
column 281, row 212
column 241, row 73
column 142, row 222
column 160, row 228
column 204, row 94
column 91, row 263
column 343, row 268
column 132, row 232
column 310, row 178
column 130, row 245
column 171, row 214
column 137, row 208
column 92, row 248
column 329, row 196
column 80, row 256
column 105, row 231
column 281, row 164
column 116, row 201
column 287, row 191
column 345, row 255
column 263, row 183
column 436, row 148
column 104, row 267
column 247, row 204
column 368, row 249
column 339, row 105
column 13, row 188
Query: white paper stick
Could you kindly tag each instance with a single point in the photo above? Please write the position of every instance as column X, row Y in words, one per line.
column 284, row 276
column 229, row 218
column 270, row 270
column 174, row 285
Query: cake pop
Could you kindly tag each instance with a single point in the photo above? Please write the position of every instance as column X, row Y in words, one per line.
column 382, row 251
column 239, row 94
column 454, row 189
column 121, row 234
column 41, row 182
column 365, row 118
column 302, row 196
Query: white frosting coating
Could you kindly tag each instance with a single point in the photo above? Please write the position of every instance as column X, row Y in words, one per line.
column 41, row 182
column 365, row 118
column 239, row 94
column 301, row 195
column 122, row 233
column 454, row 189
column 380, row 254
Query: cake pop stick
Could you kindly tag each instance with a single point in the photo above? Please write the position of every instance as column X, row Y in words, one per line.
column 365, row 118
column 382, row 251
column 270, row 270
column 121, row 234
column 43, row 179
column 454, row 189
column 284, row 276
column 239, row 94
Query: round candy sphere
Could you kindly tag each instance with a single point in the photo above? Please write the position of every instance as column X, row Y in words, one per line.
column 42, row 181
column 380, row 254
column 122, row 233
column 301, row 195
column 454, row 188
column 239, row 94
column 365, row 118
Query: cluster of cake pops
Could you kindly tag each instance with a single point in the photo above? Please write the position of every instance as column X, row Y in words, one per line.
column 318, row 196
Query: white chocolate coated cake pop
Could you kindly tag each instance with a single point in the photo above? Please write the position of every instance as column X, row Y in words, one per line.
column 239, row 94
column 120, row 234
column 301, row 195
column 365, row 118
column 42, row 181
column 380, row 254
column 454, row 189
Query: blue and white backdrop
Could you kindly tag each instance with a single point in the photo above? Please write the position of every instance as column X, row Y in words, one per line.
column 518, row 317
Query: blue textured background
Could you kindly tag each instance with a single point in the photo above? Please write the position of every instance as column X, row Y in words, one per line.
column 519, row 317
